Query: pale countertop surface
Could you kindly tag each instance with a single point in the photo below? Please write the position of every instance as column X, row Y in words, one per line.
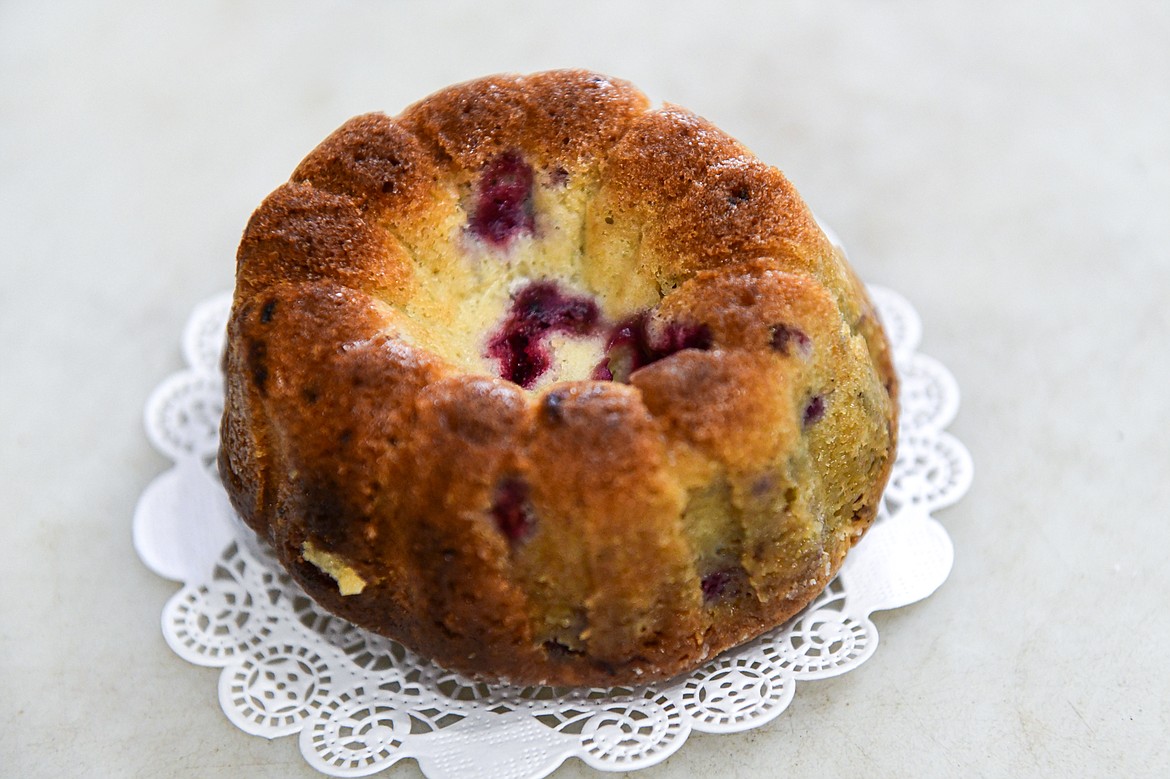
column 1005, row 166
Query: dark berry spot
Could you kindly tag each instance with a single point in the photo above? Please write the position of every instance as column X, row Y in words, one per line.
column 789, row 340
column 814, row 410
column 632, row 346
column 258, row 364
column 676, row 337
column 556, row 650
column 387, row 187
column 724, row 584
column 268, row 311
column 503, row 200
column 512, row 511
column 626, row 351
column 538, row 310
column 553, row 407
column 609, row 220
column 763, row 486
column 522, row 360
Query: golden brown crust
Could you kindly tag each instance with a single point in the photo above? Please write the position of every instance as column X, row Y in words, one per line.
column 374, row 160
column 663, row 154
column 738, row 208
column 561, row 118
column 301, row 233
column 598, row 468
column 588, row 533
column 734, row 407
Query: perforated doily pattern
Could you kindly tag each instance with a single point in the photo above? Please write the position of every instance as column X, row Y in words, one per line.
column 360, row 702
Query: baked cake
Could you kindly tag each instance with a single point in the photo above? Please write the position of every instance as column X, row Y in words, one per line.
column 552, row 386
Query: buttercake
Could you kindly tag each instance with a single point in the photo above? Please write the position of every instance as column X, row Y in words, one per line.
column 552, row 386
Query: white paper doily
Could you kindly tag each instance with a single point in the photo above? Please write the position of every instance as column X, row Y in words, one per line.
column 361, row 703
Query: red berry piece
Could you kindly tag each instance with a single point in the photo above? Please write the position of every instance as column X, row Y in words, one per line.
column 814, row 410
column 512, row 510
column 503, row 200
column 724, row 584
column 789, row 340
column 677, row 336
column 632, row 346
column 538, row 310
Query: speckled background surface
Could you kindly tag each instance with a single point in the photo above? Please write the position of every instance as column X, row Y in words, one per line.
column 1005, row 166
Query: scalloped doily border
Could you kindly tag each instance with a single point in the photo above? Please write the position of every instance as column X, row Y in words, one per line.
column 360, row 702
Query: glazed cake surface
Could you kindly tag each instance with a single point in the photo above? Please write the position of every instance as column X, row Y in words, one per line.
column 552, row 386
